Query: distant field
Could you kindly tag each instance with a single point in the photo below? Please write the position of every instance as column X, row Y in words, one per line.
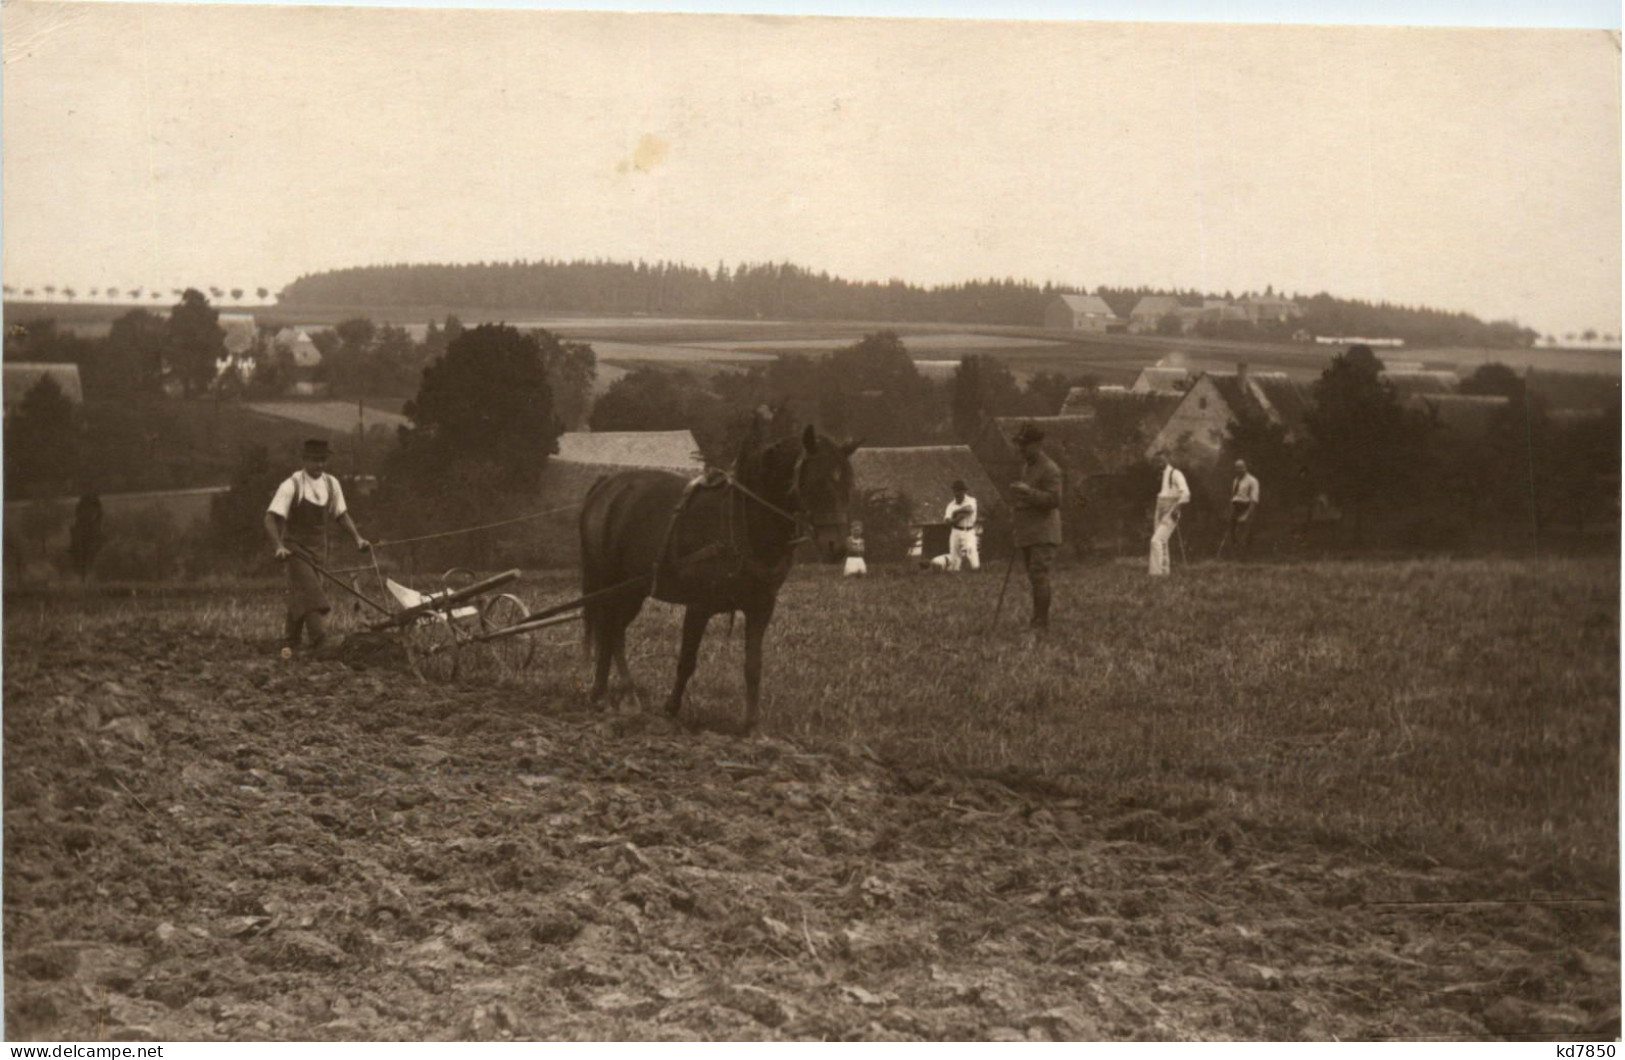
column 932, row 341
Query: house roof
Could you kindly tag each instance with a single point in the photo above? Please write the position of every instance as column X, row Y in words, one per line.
column 665, row 450
column 299, row 343
column 1163, row 380
column 1287, row 400
column 1469, row 415
column 23, row 376
column 1412, row 384
column 1155, row 305
column 1073, row 442
column 1124, row 421
column 924, row 475
column 1087, row 303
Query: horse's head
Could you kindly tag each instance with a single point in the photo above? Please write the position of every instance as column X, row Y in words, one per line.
column 823, row 489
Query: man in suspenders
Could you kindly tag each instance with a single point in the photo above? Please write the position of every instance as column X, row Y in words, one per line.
column 1172, row 495
column 298, row 516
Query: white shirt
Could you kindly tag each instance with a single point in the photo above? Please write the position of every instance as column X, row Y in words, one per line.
column 324, row 490
column 1173, row 485
column 967, row 521
column 1246, row 490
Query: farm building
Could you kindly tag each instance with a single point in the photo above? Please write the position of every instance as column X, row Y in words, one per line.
column 1080, row 312
column 1156, row 379
column 23, row 376
column 923, row 475
column 1196, row 429
column 610, row 450
column 307, row 359
column 1126, row 420
column 1149, row 310
column 1270, row 309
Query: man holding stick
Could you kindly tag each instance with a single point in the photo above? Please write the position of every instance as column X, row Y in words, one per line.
column 1172, row 496
column 1243, row 505
column 1037, row 503
column 298, row 516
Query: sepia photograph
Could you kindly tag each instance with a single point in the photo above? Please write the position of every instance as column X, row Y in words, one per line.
column 527, row 525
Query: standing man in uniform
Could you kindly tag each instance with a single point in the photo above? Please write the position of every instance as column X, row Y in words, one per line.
column 298, row 516
column 961, row 516
column 1243, row 505
column 1173, row 495
column 1037, row 517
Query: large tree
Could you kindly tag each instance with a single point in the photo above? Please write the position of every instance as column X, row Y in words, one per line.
column 41, row 442
column 195, row 341
column 1367, row 447
column 137, row 343
column 981, row 388
column 487, row 401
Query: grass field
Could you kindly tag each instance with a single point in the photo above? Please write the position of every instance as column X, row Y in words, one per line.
column 1318, row 801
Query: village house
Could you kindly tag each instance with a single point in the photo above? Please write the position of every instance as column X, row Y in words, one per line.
column 921, row 477
column 1156, row 379
column 1269, row 310
column 1125, row 420
column 1149, row 311
column 307, row 359
column 1080, row 312
column 23, row 376
column 1195, row 431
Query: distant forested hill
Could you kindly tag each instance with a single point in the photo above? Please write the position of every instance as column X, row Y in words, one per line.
column 787, row 291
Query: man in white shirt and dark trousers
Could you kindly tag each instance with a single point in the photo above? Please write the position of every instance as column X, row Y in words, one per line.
column 961, row 516
column 1243, row 506
column 1172, row 496
column 299, row 513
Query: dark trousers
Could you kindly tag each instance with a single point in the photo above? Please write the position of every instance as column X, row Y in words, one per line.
column 1242, row 515
column 1038, row 560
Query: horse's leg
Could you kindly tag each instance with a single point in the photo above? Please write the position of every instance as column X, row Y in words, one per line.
column 756, row 620
column 602, row 639
column 694, row 623
column 624, row 670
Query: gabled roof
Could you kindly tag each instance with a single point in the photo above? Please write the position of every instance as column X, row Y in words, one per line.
column 23, row 376
column 1163, row 380
column 300, row 344
column 924, row 474
column 1124, row 421
column 1156, row 305
column 1087, row 303
column 1285, row 398
column 664, row 450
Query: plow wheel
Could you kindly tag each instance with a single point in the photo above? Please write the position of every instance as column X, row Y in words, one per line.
column 434, row 647
column 509, row 656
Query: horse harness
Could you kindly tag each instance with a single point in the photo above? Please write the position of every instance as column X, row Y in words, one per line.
column 737, row 546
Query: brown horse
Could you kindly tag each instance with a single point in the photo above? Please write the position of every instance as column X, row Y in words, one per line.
column 716, row 546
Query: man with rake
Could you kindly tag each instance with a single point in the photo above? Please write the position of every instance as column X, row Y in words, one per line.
column 1172, row 495
column 300, row 511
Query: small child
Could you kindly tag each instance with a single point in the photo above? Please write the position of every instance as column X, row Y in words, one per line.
column 855, row 567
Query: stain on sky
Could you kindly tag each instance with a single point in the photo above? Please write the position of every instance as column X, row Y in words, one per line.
column 649, row 153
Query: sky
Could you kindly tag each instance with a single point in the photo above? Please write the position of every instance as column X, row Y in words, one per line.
column 242, row 146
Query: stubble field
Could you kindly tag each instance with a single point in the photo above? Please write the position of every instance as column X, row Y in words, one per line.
column 1298, row 801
